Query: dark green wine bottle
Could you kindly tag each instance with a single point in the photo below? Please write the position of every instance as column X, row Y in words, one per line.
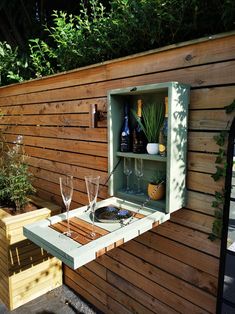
column 139, row 139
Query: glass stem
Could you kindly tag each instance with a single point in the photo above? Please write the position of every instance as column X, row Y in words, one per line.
column 93, row 222
column 127, row 183
column 93, row 219
column 68, row 225
column 138, row 178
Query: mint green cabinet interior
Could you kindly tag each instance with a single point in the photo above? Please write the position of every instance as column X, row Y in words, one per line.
column 174, row 164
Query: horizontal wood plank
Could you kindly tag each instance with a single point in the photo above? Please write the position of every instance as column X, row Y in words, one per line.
column 173, row 266
column 168, row 281
column 200, row 202
column 171, row 57
column 212, row 98
column 201, row 162
column 81, row 147
column 210, row 120
column 203, row 142
column 73, row 106
column 179, row 251
column 152, row 288
column 74, row 133
column 201, row 76
column 81, row 160
column 192, row 238
column 52, row 120
column 196, row 221
column 78, row 184
column 51, row 170
column 151, row 303
column 202, row 182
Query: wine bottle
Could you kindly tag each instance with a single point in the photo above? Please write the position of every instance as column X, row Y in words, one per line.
column 139, row 139
column 163, row 132
column 125, row 145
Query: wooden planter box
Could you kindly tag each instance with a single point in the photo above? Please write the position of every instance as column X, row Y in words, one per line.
column 26, row 271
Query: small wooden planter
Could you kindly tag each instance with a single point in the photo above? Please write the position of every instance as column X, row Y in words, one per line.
column 26, row 271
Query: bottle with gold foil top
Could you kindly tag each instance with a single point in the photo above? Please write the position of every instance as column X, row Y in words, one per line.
column 163, row 132
column 139, row 138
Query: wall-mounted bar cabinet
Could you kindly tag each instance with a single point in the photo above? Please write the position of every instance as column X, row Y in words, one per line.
column 173, row 165
column 143, row 213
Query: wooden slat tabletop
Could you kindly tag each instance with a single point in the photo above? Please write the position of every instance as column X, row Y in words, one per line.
column 81, row 249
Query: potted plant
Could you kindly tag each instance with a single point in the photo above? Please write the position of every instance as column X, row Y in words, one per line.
column 15, row 179
column 156, row 187
column 153, row 117
column 26, row 270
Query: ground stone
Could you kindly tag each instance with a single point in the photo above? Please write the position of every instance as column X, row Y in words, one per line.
column 61, row 300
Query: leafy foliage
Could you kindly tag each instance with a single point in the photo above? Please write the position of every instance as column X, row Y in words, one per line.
column 41, row 55
column 122, row 28
column 15, row 180
column 153, row 117
column 220, row 138
column 230, row 108
column 12, row 66
column 218, row 202
column 217, row 225
column 159, row 177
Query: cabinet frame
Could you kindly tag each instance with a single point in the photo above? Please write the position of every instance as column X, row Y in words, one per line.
column 178, row 99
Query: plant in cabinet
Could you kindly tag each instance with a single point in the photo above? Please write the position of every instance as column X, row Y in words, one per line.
column 153, row 117
column 156, row 186
column 15, row 180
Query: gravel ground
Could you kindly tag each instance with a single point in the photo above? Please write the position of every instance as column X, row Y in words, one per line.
column 61, row 300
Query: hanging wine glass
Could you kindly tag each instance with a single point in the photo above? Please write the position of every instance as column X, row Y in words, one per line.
column 66, row 189
column 92, row 186
column 139, row 174
column 127, row 171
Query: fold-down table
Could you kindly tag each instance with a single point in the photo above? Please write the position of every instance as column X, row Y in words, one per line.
column 48, row 233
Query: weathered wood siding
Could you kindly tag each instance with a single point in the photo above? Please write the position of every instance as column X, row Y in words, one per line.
column 173, row 268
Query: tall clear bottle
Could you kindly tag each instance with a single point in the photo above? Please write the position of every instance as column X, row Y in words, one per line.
column 125, row 138
column 139, row 138
column 163, row 132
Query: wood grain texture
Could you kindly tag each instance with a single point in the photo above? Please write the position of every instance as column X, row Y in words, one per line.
column 187, row 54
column 210, row 120
column 203, row 142
column 27, row 271
column 74, row 133
column 173, row 268
column 201, row 76
column 212, row 98
column 202, row 182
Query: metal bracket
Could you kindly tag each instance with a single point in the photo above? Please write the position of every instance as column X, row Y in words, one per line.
column 96, row 115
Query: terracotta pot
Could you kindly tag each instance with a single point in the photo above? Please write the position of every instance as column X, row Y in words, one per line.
column 156, row 191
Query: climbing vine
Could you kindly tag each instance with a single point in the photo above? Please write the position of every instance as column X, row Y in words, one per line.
column 221, row 166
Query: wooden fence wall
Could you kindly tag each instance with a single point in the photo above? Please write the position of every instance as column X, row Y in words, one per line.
column 174, row 267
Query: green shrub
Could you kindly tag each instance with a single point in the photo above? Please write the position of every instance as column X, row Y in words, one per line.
column 126, row 27
column 12, row 66
column 15, row 179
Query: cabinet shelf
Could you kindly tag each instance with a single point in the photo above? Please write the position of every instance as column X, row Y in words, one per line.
column 173, row 166
column 159, row 205
column 143, row 156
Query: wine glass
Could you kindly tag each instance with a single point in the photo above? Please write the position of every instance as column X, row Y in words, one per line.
column 92, row 186
column 127, row 171
column 139, row 173
column 66, row 190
